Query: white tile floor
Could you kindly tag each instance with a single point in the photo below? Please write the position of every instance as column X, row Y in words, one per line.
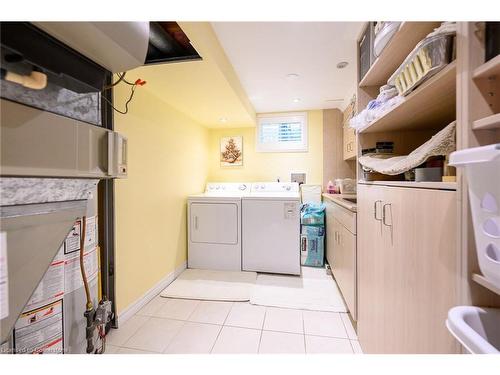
column 168, row 325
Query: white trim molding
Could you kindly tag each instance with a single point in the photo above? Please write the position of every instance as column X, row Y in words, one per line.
column 134, row 307
column 273, row 119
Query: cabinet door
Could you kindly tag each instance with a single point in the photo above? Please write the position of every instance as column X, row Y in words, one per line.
column 407, row 269
column 394, row 288
column 331, row 237
column 370, row 260
column 345, row 267
column 424, row 268
column 352, row 139
column 337, row 252
column 346, row 143
column 349, row 142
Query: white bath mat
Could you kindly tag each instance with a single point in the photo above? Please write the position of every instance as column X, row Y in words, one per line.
column 212, row 285
column 314, row 290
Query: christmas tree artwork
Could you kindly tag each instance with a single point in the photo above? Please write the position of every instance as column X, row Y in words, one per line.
column 231, row 153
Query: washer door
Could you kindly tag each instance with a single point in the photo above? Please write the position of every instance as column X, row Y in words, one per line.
column 271, row 236
column 214, row 223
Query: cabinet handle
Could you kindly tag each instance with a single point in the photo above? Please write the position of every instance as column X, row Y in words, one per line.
column 375, row 210
column 196, row 222
column 337, row 237
column 384, row 215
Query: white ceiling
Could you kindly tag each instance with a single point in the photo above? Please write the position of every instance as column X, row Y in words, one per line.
column 263, row 53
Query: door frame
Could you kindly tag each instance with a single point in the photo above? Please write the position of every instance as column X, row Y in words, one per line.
column 106, row 214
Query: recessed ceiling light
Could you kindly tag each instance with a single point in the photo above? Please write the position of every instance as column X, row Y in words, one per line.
column 292, row 76
column 296, row 100
column 342, row 64
column 223, row 119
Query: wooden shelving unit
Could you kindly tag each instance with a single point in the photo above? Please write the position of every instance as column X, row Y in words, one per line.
column 490, row 122
column 431, row 104
column 463, row 91
column 488, row 69
column 481, row 280
column 478, row 124
column 394, row 53
column 413, row 184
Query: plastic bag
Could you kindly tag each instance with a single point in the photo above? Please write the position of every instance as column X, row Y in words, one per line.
column 313, row 246
column 376, row 108
column 313, row 214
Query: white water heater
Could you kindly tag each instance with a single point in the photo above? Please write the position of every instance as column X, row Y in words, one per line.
column 52, row 322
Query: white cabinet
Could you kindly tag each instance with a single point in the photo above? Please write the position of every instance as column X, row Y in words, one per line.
column 341, row 251
column 350, row 146
column 345, row 268
column 407, row 269
column 349, row 134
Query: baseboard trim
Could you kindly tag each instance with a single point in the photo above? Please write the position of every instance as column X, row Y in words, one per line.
column 133, row 308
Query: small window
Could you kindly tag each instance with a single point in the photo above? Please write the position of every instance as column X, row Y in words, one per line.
column 284, row 132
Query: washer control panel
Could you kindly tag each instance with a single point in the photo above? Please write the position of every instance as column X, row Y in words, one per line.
column 275, row 187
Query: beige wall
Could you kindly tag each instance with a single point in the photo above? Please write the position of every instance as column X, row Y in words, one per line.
column 268, row 166
column 167, row 159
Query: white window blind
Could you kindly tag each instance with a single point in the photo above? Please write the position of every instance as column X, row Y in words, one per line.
column 282, row 132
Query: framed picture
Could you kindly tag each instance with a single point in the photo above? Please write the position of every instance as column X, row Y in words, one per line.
column 231, row 151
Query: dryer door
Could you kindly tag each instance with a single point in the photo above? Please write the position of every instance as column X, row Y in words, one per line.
column 214, row 223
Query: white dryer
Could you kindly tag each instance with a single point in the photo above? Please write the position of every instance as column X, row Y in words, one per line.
column 271, row 228
column 214, row 227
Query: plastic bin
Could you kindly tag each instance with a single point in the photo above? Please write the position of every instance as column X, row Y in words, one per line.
column 482, row 166
column 429, row 56
column 384, row 35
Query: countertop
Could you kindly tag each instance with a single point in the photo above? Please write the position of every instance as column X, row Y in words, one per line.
column 338, row 199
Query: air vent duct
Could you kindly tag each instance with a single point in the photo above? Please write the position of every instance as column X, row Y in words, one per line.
column 112, row 46
column 168, row 43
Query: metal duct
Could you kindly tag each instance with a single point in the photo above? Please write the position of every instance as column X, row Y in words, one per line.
column 122, row 46
column 162, row 40
column 116, row 46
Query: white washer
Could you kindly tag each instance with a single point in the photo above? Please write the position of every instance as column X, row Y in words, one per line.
column 271, row 228
column 214, row 227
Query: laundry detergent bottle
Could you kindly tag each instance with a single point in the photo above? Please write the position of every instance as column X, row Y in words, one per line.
column 330, row 187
